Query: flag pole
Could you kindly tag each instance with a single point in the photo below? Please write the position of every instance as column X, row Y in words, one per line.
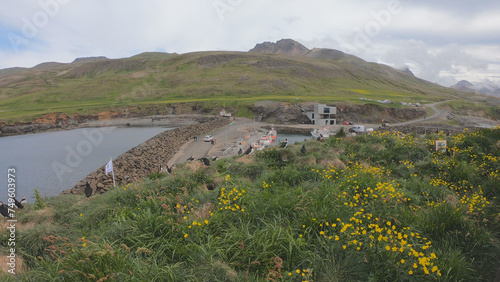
column 113, row 173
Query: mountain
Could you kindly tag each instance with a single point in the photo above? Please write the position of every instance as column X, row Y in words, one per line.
column 464, row 85
column 281, row 71
column 89, row 59
column 294, row 48
column 283, row 46
column 485, row 87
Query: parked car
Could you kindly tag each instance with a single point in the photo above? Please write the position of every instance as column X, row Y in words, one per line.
column 208, row 138
column 357, row 129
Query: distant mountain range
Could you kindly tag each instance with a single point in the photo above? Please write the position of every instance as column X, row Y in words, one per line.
column 280, row 71
column 486, row 87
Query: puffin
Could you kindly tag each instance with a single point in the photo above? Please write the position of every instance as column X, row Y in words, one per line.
column 205, row 161
column 88, row 190
column 190, row 159
column 4, row 210
column 18, row 204
column 303, row 150
column 23, row 201
column 240, row 151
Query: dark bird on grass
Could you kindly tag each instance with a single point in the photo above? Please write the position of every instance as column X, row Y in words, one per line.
column 88, row 190
column 240, row 151
column 248, row 151
column 4, row 210
column 190, row 159
column 23, row 201
column 18, row 204
column 205, row 161
column 214, row 158
column 303, row 150
column 284, row 144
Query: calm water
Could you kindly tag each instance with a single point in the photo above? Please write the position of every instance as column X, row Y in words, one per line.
column 55, row 161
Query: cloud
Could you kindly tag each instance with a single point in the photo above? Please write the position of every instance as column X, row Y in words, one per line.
column 439, row 39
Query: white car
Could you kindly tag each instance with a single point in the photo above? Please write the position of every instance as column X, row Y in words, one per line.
column 208, row 138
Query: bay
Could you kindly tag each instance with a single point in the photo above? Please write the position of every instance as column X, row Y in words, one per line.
column 55, row 161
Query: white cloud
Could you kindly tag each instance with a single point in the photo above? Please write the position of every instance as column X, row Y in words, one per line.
column 440, row 39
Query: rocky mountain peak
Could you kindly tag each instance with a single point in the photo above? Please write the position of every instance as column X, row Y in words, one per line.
column 89, row 59
column 283, row 46
column 463, row 83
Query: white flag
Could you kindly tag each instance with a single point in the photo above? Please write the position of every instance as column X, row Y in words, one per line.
column 109, row 167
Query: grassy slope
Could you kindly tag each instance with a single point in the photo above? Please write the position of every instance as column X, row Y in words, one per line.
column 391, row 209
column 222, row 77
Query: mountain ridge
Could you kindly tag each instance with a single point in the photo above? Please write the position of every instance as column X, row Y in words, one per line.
column 485, row 87
column 281, row 71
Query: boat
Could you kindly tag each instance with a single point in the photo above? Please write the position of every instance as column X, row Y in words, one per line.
column 272, row 135
column 269, row 138
column 255, row 145
column 321, row 133
column 265, row 140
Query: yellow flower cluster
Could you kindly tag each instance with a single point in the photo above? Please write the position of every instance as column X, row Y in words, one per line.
column 303, row 274
column 471, row 198
column 365, row 231
column 407, row 164
column 231, row 200
column 267, row 185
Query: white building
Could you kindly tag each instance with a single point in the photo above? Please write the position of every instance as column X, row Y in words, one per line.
column 321, row 114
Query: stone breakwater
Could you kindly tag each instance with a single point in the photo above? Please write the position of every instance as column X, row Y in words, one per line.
column 145, row 158
column 290, row 129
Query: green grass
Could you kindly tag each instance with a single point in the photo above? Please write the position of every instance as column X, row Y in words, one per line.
column 390, row 209
column 218, row 77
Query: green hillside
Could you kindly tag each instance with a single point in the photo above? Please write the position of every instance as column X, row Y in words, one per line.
column 225, row 78
column 380, row 207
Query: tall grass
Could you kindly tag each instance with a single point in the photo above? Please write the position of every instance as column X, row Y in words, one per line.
column 387, row 208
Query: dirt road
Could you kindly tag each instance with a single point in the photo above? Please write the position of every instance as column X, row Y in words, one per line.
column 437, row 114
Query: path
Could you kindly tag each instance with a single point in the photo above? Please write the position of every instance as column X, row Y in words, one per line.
column 437, row 114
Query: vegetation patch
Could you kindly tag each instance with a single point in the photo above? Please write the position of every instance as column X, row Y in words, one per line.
column 380, row 207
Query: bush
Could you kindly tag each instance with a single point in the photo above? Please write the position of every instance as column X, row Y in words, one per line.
column 39, row 203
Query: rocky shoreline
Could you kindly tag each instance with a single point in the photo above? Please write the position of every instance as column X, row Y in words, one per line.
column 147, row 157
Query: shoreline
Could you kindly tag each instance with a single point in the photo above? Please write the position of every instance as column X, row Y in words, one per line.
column 147, row 121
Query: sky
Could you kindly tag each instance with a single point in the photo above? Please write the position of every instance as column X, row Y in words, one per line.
column 440, row 41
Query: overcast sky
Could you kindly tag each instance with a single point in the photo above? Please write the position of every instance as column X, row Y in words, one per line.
column 441, row 41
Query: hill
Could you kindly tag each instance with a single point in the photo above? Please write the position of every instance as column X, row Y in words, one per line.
column 238, row 79
column 379, row 207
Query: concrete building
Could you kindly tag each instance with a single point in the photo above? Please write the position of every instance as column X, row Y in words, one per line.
column 321, row 114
